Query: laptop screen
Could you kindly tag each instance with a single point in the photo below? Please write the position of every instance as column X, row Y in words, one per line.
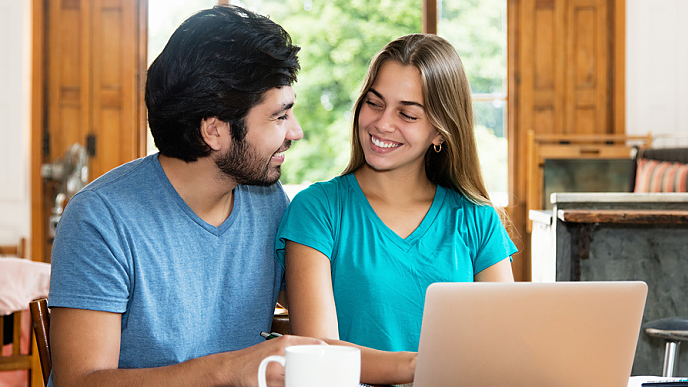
column 561, row 334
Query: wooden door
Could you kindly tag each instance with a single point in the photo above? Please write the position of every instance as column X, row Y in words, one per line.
column 89, row 61
column 566, row 77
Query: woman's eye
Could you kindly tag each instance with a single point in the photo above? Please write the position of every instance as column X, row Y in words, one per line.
column 372, row 104
column 407, row 117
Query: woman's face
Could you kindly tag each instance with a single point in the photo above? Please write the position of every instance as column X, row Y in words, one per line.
column 393, row 128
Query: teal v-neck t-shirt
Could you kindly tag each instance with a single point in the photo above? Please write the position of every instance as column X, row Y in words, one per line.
column 378, row 278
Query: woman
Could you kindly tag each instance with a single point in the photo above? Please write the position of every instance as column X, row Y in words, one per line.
column 410, row 209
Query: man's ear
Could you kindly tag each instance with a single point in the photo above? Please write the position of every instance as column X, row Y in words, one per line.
column 214, row 132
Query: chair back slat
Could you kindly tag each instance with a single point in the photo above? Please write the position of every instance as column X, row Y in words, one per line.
column 40, row 317
column 18, row 250
column 16, row 334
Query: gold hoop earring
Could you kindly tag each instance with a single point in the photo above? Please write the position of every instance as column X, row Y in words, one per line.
column 437, row 149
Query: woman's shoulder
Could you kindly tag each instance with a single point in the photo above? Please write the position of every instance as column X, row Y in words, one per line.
column 323, row 189
column 313, row 210
column 456, row 199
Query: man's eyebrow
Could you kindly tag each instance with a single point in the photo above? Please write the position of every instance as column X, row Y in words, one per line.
column 283, row 108
column 405, row 103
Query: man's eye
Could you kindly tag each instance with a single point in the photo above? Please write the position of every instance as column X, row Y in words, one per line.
column 284, row 117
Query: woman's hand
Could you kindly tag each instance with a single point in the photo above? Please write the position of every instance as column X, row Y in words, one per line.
column 407, row 366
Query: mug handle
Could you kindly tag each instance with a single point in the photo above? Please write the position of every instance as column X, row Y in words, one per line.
column 264, row 365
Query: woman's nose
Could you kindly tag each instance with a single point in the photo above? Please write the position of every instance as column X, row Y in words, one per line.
column 385, row 122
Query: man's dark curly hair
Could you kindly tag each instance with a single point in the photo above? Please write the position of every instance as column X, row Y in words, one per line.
column 218, row 63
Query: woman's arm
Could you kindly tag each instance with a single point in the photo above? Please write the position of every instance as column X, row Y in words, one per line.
column 499, row 272
column 309, row 292
column 312, row 312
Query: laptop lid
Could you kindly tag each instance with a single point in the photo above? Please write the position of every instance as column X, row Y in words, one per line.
column 562, row 334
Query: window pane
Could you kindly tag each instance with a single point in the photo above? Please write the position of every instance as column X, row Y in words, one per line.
column 337, row 38
column 164, row 16
column 490, row 134
column 477, row 29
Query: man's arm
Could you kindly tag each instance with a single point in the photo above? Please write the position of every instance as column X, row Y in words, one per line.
column 85, row 348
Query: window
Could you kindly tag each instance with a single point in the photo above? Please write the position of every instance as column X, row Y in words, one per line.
column 477, row 29
column 338, row 38
column 164, row 16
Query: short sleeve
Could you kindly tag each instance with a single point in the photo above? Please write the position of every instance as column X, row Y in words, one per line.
column 492, row 242
column 90, row 268
column 308, row 221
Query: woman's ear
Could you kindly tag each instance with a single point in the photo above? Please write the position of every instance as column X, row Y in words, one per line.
column 214, row 132
column 438, row 140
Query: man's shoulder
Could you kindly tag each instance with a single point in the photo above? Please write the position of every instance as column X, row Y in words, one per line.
column 273, row 192
column 129, row 174
column 260, row 199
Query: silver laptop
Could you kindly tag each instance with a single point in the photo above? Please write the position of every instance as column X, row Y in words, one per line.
column 562, row 334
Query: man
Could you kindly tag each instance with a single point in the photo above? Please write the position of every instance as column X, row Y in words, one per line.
column 163, row 269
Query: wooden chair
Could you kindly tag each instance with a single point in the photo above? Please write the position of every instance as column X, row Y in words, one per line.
column 40, row 317
column 280, row 321
column 543, row 147
column 18, row 250
column 17, row 361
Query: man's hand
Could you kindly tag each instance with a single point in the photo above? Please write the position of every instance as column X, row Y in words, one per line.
column 249, row 359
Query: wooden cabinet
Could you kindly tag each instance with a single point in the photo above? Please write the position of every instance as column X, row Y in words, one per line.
column 89, row 61
column 565, row 78
column 566, row 62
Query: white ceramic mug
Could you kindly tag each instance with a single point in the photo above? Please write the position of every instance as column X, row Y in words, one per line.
column 317, row 366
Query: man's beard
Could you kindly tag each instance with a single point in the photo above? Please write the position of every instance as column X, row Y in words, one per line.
column 243, row 164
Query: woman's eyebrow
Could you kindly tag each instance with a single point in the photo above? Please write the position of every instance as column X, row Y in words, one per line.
column 405, row 103
column 411, row 103
column 371, row 90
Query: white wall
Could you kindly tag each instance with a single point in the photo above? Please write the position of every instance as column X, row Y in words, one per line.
column 15, row 84
column 657, row 68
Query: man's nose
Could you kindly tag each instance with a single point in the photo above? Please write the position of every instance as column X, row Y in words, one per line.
column 294, row 132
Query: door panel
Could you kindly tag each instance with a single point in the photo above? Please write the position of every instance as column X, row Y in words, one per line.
column 588, row 58
column 67, row 91
column 115, row 74
column 91, row 89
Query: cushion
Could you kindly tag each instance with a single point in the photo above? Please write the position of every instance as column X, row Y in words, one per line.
column 21, row 281
column 661, row 176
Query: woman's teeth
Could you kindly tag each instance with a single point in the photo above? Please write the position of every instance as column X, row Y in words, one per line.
column 383, row 144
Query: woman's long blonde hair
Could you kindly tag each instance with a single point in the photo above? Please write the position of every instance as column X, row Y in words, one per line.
column 447, row 101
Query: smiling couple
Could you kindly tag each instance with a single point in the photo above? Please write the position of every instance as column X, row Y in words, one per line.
column 165, row 269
